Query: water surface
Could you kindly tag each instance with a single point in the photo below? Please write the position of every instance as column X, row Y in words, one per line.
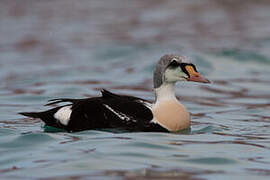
column 51, row 49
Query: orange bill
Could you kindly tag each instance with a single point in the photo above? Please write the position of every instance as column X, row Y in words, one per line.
column 195, row 76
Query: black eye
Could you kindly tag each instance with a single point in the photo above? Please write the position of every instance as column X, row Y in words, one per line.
column 174, row 64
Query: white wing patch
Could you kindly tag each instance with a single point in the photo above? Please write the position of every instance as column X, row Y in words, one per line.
column 119, row 114
column 63, row 114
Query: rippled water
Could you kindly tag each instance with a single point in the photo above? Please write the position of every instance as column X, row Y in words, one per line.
column 52, row 49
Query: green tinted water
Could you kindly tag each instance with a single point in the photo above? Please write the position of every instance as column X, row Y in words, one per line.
column 229, row 137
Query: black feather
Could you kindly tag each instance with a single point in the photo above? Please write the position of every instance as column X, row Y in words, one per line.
column 64, row 100
column 30, row 114
column 108, row 111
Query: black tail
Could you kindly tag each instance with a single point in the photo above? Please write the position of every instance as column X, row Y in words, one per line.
column 45, row 116
column 31, row 114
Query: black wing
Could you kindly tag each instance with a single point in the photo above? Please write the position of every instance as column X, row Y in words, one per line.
column 109, row 111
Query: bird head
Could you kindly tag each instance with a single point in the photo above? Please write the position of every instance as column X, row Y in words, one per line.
column 173, row 68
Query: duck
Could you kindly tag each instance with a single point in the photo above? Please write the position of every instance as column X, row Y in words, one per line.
column 110, row 110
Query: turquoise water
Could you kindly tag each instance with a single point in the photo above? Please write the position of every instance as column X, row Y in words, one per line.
column 48, row 52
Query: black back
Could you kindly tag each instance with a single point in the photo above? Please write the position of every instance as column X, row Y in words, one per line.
column 108, row 111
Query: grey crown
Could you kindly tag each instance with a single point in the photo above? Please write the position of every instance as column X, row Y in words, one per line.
column 162, row 65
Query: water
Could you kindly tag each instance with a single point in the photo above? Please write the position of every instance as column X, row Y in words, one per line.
column 51, row 49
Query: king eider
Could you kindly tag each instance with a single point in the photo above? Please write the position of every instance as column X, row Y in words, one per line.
column 128, row 112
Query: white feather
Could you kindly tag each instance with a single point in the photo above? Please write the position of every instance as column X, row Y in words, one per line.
column 165, row 92
column 119, row 114
column 63, row 115
column 146, row 104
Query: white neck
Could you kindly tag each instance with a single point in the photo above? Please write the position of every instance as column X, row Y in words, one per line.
column 165, row 92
